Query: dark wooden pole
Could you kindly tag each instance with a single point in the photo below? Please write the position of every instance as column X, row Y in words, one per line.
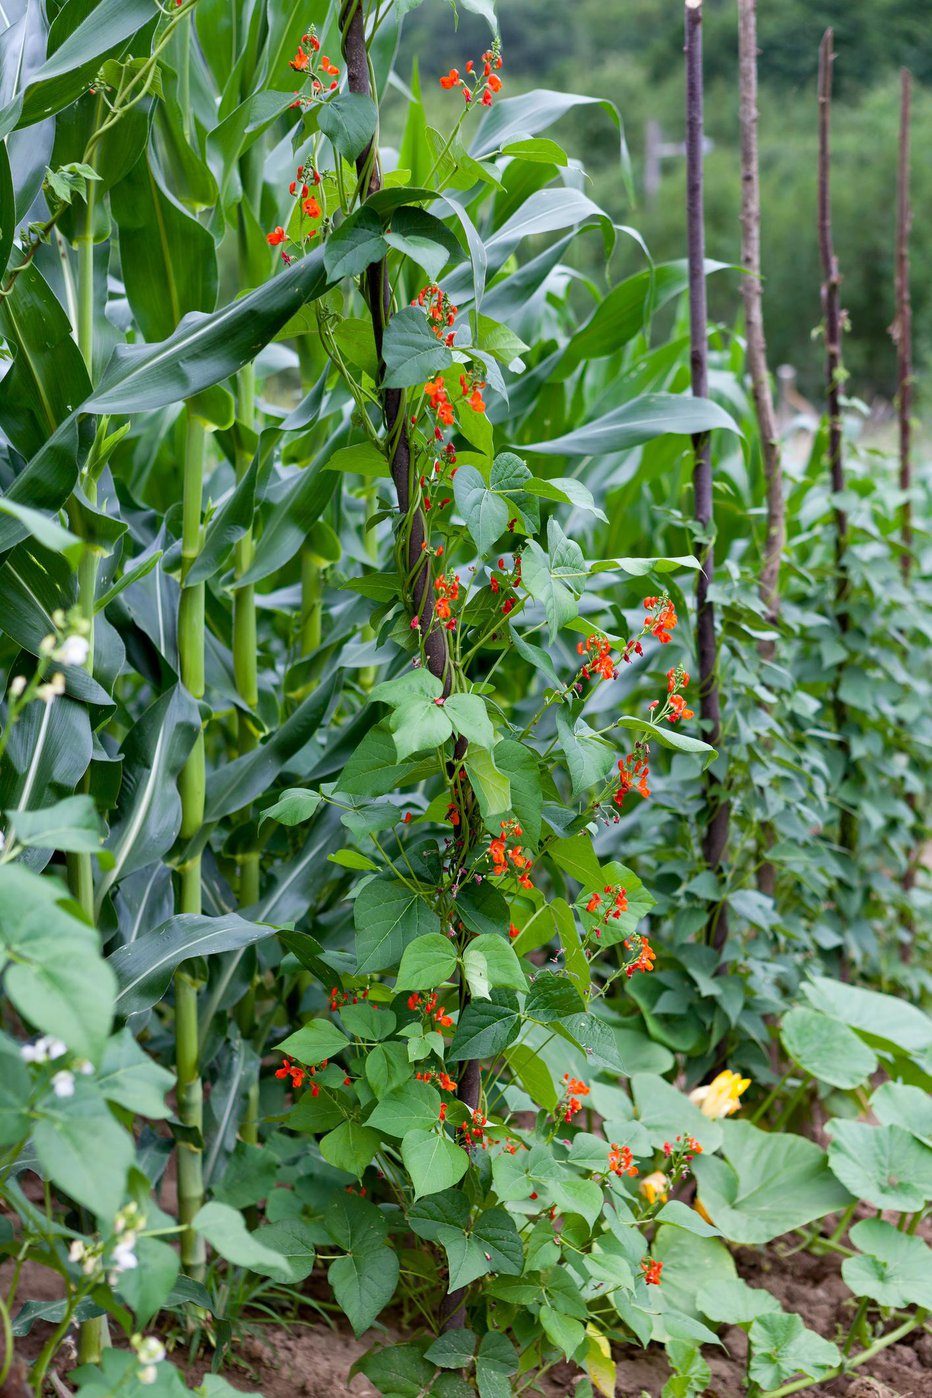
column 832, row 324
column 903, row 324
column 715, row 837
column 752, row 289
column 413, row 524
column 903, row 337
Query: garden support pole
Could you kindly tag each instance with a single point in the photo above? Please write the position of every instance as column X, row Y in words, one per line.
column 413, row 528
column 834, row 377
column 753, row 292
column 902, row 331
column 903, row 325
column 715, row 836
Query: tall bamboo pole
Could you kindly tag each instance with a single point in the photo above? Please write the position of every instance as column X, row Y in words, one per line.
column 715, row 836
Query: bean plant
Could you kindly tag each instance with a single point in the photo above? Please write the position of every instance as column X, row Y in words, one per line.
column 355, row 765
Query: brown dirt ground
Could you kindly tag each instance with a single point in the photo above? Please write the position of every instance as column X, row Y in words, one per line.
column 313, row 1360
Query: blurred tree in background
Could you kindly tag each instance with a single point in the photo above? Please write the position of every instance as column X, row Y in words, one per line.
column 633, row 51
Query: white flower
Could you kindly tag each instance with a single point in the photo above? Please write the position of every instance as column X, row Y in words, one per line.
column 44, row 1050
column 124, row 1257
column 51, row 690
column 17, row 685
column 73, row 650
column 150, row 1350
column 63, row 1083
column 147, row 1375
column 76, row 1251
column 130, row 1216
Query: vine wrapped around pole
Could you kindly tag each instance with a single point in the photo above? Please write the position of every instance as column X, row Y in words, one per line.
column 902, row 331
column 418, row 585
column 753, row 294
column 831, row 308
column 834, row 377
column 715, row 836
column 903, row 325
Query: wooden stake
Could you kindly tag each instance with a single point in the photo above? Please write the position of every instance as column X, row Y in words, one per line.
column 715, row 837
column 903, row 324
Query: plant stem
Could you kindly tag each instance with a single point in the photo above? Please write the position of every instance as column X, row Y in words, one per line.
column 191, row 786
column 312, row 591
column 793, row 1103
column 715, row 835
column 245, row 643
column 864, row 1357
column 93, row 1334
column 93, row 1339
column 842, row 1225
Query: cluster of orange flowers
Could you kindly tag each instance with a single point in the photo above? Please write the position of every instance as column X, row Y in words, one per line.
column 621, row 1161
column 677, row 679
column 305, row 63
column 443, row 1080
column 440, row 405
column 310, row 207
column 292, row 1071
column 298, row 1075
column 428, row 1006
column 501, row 855
column 441, row 314
column 447, row 590
column 573, row 1090
column 615, row 902
column 339, row 998
column 472, row 392
column 651, row 1271
column 633, row 772
column 473, row 1133
column 497, row 583
column 513, row 931
column 688, row 1148
column 598, row 652
column 645, row 958
column 661, row 617
column 485, row 85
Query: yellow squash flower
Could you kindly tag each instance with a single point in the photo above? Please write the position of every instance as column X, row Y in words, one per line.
column 703, row 1212
column 655, row 1187
column 720, row 1097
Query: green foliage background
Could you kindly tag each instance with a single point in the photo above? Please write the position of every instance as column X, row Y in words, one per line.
column 633, row 51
